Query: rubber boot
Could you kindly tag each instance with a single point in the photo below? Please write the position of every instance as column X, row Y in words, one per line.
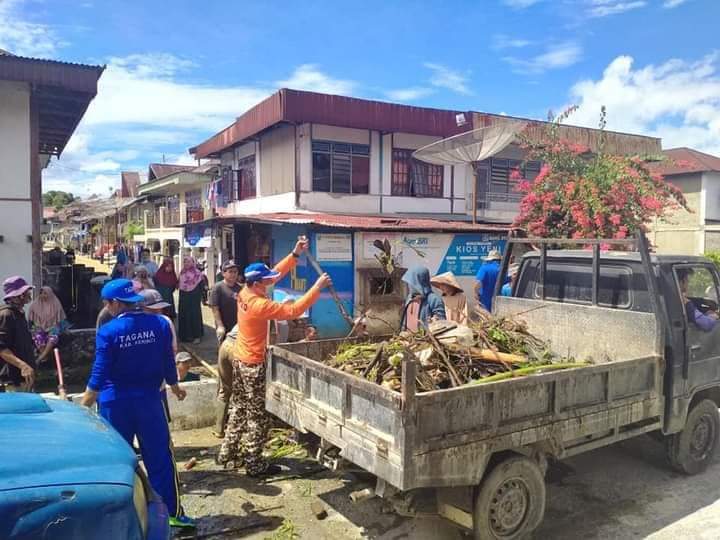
column 221, row 410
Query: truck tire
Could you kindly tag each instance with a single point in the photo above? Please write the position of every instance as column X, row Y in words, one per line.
column 691, row 450
column 510, row 503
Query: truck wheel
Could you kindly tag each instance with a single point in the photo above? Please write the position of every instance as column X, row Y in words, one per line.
column 511, row 501
column 691, row 450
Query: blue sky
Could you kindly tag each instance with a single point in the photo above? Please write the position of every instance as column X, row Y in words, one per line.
column 179, row 71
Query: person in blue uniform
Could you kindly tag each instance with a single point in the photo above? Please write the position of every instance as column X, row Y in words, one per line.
column 486, row 278
column 133, row 356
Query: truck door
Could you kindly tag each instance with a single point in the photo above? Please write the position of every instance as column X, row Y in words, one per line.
column 698, row 288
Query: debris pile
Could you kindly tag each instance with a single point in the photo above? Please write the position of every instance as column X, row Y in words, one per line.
column 450, row 355
column 281, row 445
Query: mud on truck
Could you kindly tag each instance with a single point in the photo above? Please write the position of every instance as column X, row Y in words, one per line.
column 477, row 454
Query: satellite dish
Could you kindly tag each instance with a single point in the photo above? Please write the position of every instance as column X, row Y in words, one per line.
column 471, row 147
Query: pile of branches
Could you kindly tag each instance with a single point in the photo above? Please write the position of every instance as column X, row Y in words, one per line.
column 449, row 355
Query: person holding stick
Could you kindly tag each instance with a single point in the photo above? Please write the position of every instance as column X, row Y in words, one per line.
column 247, row 418
column 17, row 352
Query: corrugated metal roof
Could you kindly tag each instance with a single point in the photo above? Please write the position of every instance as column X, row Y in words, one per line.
column 61, row 90
column 685, row 161
column 614, row 141
column 185, row 174
column 375, row 223
column 161, row 170
column 297, row 106
column 78, row 77
column 129, row 182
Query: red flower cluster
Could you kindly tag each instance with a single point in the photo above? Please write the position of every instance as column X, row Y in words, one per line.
column 582, row 195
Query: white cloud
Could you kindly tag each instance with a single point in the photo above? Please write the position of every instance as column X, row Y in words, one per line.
column 82, row 171
column 445, row 77
column 409, row 94
column 678, row 100
column 145, row 106
column 150, row 89
column 23, row 37
column 309, row 77
column 100, row 184
column 502, row 41
column 182, row 159
column 669, row 4
column 149, row 105
column 520, row 4
column 556, row 56
column 604, row 8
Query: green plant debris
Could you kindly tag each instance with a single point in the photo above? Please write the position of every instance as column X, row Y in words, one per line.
column 529, row 370
column 489, row 349
column 286, row 531
column 280, row 445
column 305, row 489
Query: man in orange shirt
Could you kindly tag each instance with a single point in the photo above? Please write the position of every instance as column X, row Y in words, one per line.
column 247, row 421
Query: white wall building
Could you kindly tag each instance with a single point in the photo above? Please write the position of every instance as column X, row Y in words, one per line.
column 41, row 103
column 174, row 196
column 303, row 151
column 308, row 163
column 696, row 231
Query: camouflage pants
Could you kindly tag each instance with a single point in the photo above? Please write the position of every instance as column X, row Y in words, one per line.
column 248, row 422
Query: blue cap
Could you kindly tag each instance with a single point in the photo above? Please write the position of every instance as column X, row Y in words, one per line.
column 121, row 290
column 257, row 271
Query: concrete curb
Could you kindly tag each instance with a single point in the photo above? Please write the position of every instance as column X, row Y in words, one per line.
column 197, row 410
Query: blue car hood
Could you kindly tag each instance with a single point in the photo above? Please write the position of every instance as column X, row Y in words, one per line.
column 54, row 442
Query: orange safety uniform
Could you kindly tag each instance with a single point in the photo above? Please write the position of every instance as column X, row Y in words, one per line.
column 255, row 311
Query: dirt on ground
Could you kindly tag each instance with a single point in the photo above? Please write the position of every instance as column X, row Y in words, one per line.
column 231, row 505
column 625, row 491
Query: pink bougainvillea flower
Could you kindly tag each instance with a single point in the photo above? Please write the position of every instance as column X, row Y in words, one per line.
column 593, row 195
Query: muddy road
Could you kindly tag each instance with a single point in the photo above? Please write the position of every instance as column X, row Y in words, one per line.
column 624, row 491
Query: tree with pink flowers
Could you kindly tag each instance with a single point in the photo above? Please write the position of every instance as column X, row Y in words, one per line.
column 583, row 194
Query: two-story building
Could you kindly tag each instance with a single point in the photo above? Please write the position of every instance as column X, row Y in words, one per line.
column 174, row 196
column 341, row 170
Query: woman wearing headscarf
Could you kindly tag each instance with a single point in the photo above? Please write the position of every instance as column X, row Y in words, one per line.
column 453, row 297
column 142, row 280
column 190, row 323
column 47, row 321
column 422, row 304
column 166, row 281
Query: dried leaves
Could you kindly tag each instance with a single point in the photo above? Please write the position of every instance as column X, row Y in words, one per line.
column 449, row 355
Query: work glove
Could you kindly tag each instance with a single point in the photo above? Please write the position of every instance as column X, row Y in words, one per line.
column 220, row 333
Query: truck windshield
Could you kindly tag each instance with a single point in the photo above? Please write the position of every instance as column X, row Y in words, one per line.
column 572, row 282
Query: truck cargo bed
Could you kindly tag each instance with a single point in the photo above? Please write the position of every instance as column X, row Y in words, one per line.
column 444, row 438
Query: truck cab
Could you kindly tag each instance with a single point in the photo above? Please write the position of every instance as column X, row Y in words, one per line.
column 687, row 296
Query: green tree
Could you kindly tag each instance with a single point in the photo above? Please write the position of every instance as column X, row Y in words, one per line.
column 714, row 256
column 57, row 199
column 133, row 228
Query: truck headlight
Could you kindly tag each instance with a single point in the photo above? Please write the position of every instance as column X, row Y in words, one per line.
column 140, row 502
